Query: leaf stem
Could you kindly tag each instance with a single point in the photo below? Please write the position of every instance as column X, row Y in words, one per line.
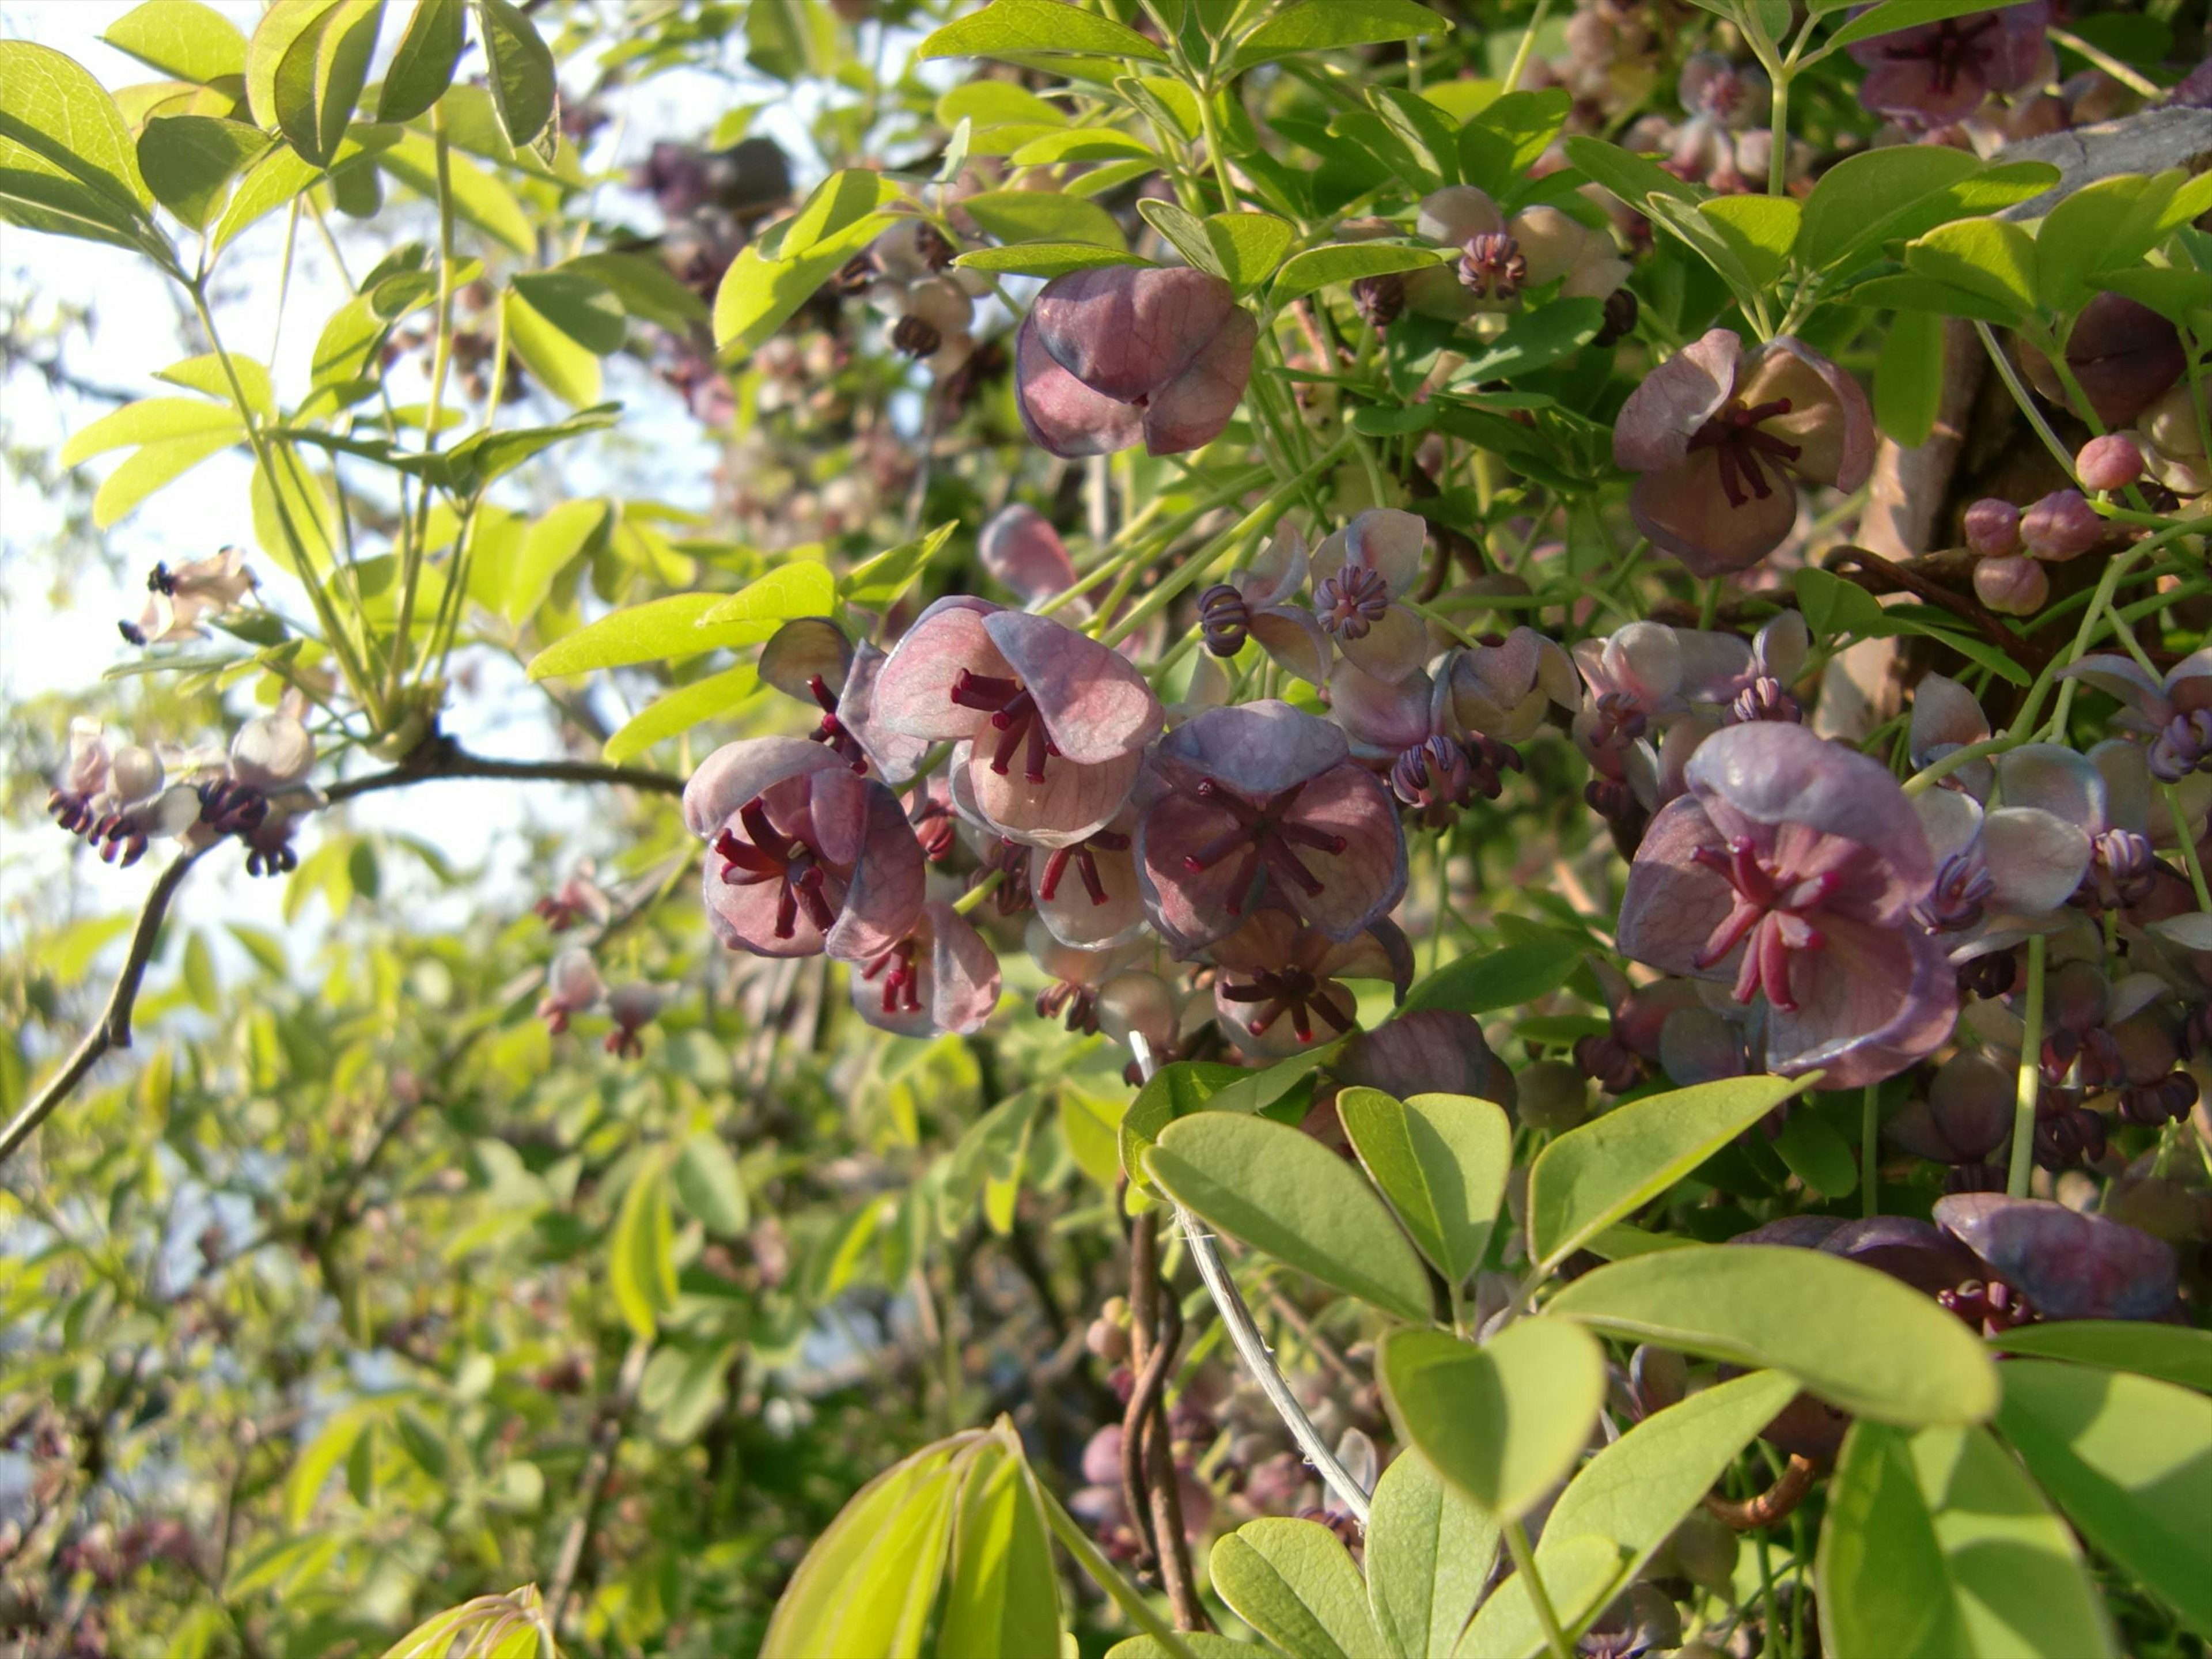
column 2031, row 1074
column 1524, row 1563
column 2188, row 845
column 441, row 359
column 2022, row 396
column 1870, row 1137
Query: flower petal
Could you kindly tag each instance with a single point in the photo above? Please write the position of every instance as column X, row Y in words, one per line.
column 1190, row 411
column 740, row 772
column 1391, row 543
column 1383, row 718
column 1660, row 417
column 1293, row 639
column 1278, row 573
column 1393, row 648
column 1095, row 705
column 1127, row 330
column 2069, row 1265
column 1672, row 904
column 1021, row 549
column 1686, row 510
column 1829, row 417
column 1257, row 749
column 897, row 755
column 1870, row 1002
column 2055, row 779
column 802, row 650
column 1062, row 416
column 1368, row 879
column 914, row 689
column 2036, row 857
column 1075, row 800
column 1774, row 773
column 890, row 875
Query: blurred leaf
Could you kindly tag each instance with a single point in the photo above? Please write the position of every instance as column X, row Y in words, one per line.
column 1441, row 1161
column 708, row 1182
column 182, row 39
column 423, row 65
column 1029, row 215
column 1894, row 14
column 1504, row 1422
column 679, row 710
column 523, row 88
column 1482, row 981
column 771, row 278
column 1280, row 1191
column 876, row 584
column 567, row 369
column 1347, row 262
column 1003, row 1595
column 642, row 1262
column 1864, row 1342
column 317, row 1460
column 1329, row 25
column 1037, row 25
column 579, row 305
column 479, row 197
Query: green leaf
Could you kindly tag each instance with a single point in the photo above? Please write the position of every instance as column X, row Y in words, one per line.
column 423, row 65
column 1185, row 232
column 1031, row 215
column 1037, row 25
column 1278, row 1189
column 801, row 587
column 1046, row 259
column 1441, row 1161
column 1600, row 1173
column 1991, row 258
column 189, row 160
column 2172, row 1354
column 523, row 88
column 1859, row 191
column 1294, row 1583
column 1535, row 340
column 1425, row 131
column 318, row 1460
column 1760, row 229
column 1633, row 1495
column 183, row 40
column 152, row 468
column 1329, row 25
column 1817, row 1155
column 1894, row 14
column 1633, row 177
column 1247, row 247
column 476, row 461
column 642, row 286
column 765, row 284
column 1504, row 139
column 642, row 1260
column 659, row 630
column 876, row 584
column 2176, row 293
column 684, row 1388
column 709, row 1187
column 1176, row 1090
column 1935, row 1545
column 150, row 420
column 1480, row 981
column 1429, row 1554
column 1862, row 1341
column 1003, row 1596
column 679, row 710
column 69, row 165
column 2105, row 225
column 1908, row 376
column 1347, row 262
column 579, row 305
column 569, row 370
column 549, row 547
column 1079, row 144
column 331, row 66
column 868, row 1582
column 2129, row 1460
column 478, row 196
column 1504, row 1422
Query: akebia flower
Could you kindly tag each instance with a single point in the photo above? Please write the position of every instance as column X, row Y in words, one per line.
column 1087, row 893
column 1359, row 574
column 573, row 987
column 939, row 975
column 803, row 854
column 1020, row 548
column 1722, row 436
column 1939, row 72
column 177, row 600
column 1052, row 725
column 1256, row 605
column 1123, row 354
column 2174, row 711
column 2068, row 1265
column 1263, row 799
column 1503, row 690
column 1792, row 868
column 1278, row 990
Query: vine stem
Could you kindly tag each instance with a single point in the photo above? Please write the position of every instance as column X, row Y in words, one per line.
column 1251, row 1346
column 2188, row 844
column 2031, row 1075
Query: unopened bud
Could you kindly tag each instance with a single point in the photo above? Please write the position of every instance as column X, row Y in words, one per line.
column 1620, row 318
column 2013, row 587
column 2063, row 526
column 1224, row 619
column 1379, row 300
column 1993, row 527
column 2113, row 462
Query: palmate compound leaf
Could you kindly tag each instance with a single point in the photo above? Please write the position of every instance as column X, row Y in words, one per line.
column 1937, row 1546
column 1862, row 1341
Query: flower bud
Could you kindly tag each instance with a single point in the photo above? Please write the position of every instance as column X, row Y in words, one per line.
column 1379, row 300
column 1620, row 318
column 1224, row 620
column 2109, row 463
column 2014, row 587
column 2063, row 526
column 1993, row 527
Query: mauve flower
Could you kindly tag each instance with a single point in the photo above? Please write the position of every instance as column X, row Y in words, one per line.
column 1122, row 353
column 1940, row 72
column 942, row 975
column 1077, row 974
column 116, row 798
column 632, row 1006
column 2013, row 584
column 1358, row 574
column 263, row 791
column 1264, row 800
column 1722, row 99
column 804, row 855
column 1278, row 990
column 579, row 898
column 1021, row 551
column 1255, row 604
column 573, row 987
column 2123, row 355
column 2006, row 873
column 1052, row 725
column 1087, row 893
column 2069, row 1265
column 2111, row 462
column 809, row 658
column 1718, row 435
column 1503, row 690
column 1429, row 1051
column 1793, row 867
column 2175, row 712
column 178, row 599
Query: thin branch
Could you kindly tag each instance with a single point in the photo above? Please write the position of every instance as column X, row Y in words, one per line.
column 607, row 1438
column 113, row 1030
column 443, row 758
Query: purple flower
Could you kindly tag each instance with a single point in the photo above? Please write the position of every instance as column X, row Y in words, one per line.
column 1718, row 435
column 1261, row 800
column 1256, row 604
column 1939, row 73
column 1122, row 353
column 1021, row 549
column 1792, row 868
column 1277, row 988
column 1429, row 1051
column 177, row 600
column 2004, row 873
column 804, row 855
column 942, row 975
column 2068, row 1265
column 1502, row 691
column 1052, row 725
column 1358, row 574
column 2174, row 712
column 573, row 987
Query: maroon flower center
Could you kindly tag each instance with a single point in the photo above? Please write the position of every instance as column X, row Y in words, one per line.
column 1769, row 918
column 1735, row 436
column 1078, row 1002
column 1085, row 861
column 771, row 855
column 1267, row 839
column 1951, row 53
column 902, row 979
column 1353, row 601
column 1014, row 715
column 1292, row 991
column 833, row 730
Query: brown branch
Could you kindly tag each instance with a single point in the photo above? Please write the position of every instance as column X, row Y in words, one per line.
column 113, row 1030
column 1983, row 621
column 606, row 1439
column 1771, row 1506
column 442, row 757
column 1148, row 1478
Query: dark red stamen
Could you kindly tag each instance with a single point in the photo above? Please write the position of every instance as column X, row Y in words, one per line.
column 1295, row 991
column 1950, row 53
column 1014, row 715
column 1735, row 436
column 1769, row 918
column 772, row 855
column 1269, row 841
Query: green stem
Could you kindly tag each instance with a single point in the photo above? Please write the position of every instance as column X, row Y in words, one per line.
column 2021, row 396
column 1524, row 1563
column 1123, row 1593
column 1869, row 1139
column 2188, row 845
column 1777, row 163
column 2114, row 570
column 441, row 359
column 1528, row 46
column 2031, row 1074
